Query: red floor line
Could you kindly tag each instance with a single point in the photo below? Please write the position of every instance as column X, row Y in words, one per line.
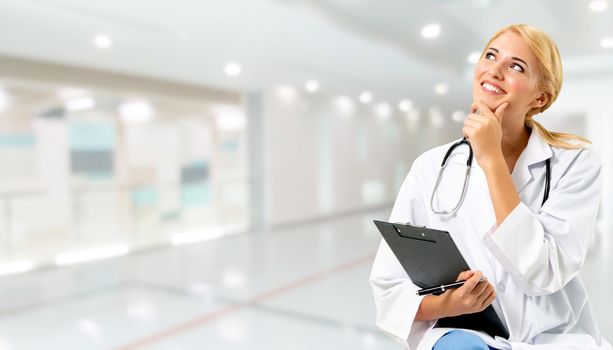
column 206, row 318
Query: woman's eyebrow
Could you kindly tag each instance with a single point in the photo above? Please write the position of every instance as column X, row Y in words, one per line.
column 515, row 58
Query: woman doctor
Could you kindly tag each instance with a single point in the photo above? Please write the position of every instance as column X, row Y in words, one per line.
column 530, row 253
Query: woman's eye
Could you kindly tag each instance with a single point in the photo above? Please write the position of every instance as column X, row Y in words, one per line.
column 517, row 67
column 489, row 56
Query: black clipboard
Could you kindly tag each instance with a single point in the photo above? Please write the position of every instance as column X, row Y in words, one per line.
column 431, row 258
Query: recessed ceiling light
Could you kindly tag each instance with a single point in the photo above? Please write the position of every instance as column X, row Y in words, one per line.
column 383, row 110
column 441, row 88
column 458, row 116
column 311, row 86
column 607, row 42
column 103, row 41
column 431, row 31
column 135, row 112
column 474, row 57
column 345, row 105
column 598, row 5
column 365, row 97
column 80, row 104
column 286, row 93
column 232, row 69
column 231, row 121
column 405, row 105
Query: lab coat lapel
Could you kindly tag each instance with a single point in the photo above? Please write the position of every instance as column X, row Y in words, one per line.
column 537, row 150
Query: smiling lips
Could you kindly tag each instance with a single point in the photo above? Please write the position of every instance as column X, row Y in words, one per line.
column 491, row 88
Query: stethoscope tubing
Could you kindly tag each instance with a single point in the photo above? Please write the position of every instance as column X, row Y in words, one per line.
column 469, row 162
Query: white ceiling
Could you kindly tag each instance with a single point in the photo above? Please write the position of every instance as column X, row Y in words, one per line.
column 347, row 45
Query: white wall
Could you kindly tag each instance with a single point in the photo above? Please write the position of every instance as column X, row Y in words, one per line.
column 319, row 160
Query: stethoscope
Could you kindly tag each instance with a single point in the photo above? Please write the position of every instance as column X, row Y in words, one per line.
column 469, row 163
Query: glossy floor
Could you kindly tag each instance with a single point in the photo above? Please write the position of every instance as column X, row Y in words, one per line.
column 302, row 287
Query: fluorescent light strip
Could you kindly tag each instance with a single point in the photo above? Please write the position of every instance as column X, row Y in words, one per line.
column 80, row 104
column 16, row 267
column 85, row 255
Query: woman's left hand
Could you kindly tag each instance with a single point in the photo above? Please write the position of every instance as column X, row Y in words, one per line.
column 484, row 131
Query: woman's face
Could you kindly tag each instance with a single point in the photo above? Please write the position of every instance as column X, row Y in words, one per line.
column 508, row 72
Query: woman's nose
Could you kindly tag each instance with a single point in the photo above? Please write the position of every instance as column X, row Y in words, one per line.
column 494, row 70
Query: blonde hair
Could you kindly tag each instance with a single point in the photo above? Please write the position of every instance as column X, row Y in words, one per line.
column 550, row 81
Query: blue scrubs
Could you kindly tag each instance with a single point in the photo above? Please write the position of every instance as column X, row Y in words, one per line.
column 460, row 340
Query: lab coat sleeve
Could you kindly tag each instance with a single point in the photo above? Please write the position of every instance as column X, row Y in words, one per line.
column 393, row 291
column 543, row 251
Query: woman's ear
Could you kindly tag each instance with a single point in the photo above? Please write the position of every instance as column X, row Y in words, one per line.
column 542, row 100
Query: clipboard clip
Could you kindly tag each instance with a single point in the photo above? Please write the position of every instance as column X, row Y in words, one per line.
column 412, row 235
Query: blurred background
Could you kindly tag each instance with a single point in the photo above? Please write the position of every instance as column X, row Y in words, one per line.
column 204, row 174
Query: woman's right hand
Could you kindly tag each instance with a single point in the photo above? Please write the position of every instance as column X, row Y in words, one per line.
column 473, row 296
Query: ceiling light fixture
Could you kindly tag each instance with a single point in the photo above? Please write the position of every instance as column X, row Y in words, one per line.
column 286, row 93
column 431, row 31
column 103, row 41
column 80, row 104
column 458, row 116
column 311, row 86
column 405, row 105
column 598, row 5
column 232, row 69
column 345, row 105
column 231, row 121
column 441, row 88
column 365, row 97
column 135, row 112
column 383, row 110
column 474, row 57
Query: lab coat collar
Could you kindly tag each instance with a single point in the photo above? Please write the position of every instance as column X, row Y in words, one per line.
column 536, row 151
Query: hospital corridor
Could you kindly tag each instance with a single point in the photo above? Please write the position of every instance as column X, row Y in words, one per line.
column 202, row 174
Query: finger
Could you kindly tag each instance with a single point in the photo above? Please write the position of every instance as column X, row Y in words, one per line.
column 472, row 281
column 464, row 275
column 489, row 300
column 477, row 117
column 499, row 113
column 472, row 116
column 479, row 289
column 485, row 293
column 473, row 108
column 485, row 109
column 468, row 131
column 472, row 123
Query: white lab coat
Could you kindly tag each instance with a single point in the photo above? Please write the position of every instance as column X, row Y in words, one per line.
column 533, row 259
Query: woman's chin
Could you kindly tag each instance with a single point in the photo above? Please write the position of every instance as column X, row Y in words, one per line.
column 491, row 101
